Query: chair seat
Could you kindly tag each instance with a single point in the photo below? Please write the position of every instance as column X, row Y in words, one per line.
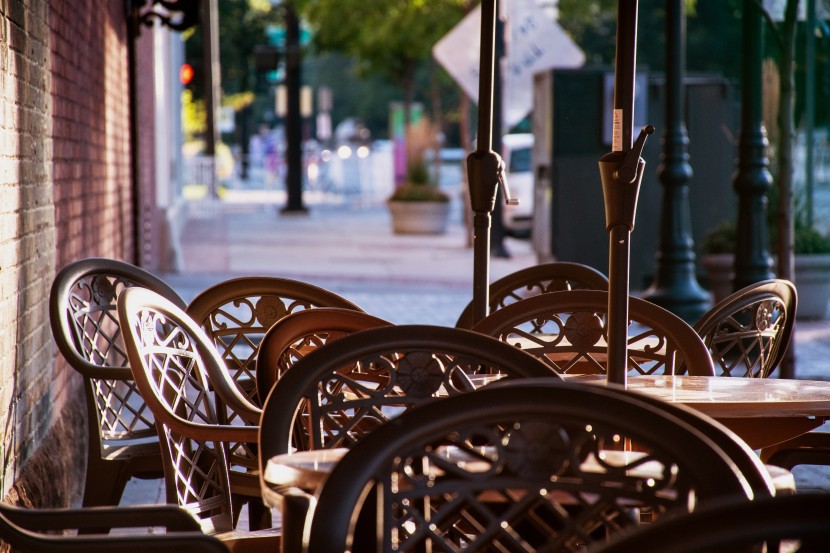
column 245, row 483
column 132, row 451
column 782, row 479
column 239, row 541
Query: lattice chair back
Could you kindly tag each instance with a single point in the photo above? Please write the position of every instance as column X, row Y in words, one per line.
column 168, row 354
column 569, row 331
column 338, row 393
column 748, row 332
column 555, row 276
column 536, row 467
column 298, row 334
column 88, row 333
column 235, row 314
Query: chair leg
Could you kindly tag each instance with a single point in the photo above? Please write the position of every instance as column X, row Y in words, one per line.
column 812, row 448
column 105, row 483
column 259, row 516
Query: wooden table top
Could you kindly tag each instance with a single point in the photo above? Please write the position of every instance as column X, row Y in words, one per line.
column 724, row 397
column 762, row 411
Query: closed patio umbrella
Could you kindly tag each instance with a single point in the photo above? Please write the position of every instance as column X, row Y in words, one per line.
column 621, row 172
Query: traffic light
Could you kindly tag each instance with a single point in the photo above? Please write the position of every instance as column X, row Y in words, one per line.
column 186, row 74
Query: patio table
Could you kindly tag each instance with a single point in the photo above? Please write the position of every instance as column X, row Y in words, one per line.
column 762, row 411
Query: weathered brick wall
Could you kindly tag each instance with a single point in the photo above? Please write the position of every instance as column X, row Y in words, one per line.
column 27, row 238
column 65, row 193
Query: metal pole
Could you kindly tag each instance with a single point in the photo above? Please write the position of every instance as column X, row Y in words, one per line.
column 480, row 165
column 293, row 119
column 621, row 172
column 675, row 286
column 753, row 180
column 810, row 106
column 212, row 79
column 497, row 232
column 619, row 236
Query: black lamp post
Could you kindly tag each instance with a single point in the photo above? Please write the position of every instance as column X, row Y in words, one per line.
column 675, row 286
column 293, row 119
column 752, row 180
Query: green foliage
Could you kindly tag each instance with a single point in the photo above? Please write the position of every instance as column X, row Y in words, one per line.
column 419, row 192
column 806, row 240
column 386, row 36
column 419, row 186
column 809, row 240
column 242, row 25
column 720, row 239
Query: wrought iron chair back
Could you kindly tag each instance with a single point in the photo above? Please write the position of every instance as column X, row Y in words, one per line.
column 298, row 334
column 338, row 393
column 749, row 331
column 176, row 368
column 237, row 313
column 87, row 329
column 569, row 331
column 540, row 279
column 523, row 467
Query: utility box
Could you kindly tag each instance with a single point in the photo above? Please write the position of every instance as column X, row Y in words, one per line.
column 571, row 123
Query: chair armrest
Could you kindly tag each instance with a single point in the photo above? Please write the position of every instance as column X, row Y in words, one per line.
column 168, row 516
column 192, row 542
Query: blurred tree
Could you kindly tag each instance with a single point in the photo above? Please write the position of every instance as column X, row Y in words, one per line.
column 386, row 37
column 242, row 26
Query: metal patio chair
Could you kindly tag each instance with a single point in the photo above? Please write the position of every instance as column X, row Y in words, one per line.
column 296, row 335
column 122, row 435
column 345, row 390
column 798, row 523
column 176, row 367
column 569, row 331
column 539, row 279
column 749, row 331
column 45, row 530
column 530, row 466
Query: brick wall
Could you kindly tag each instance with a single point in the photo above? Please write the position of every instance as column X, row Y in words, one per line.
column 65, row 193
column 27, row 238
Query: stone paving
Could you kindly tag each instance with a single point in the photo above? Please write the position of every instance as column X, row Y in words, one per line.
column 350, row 249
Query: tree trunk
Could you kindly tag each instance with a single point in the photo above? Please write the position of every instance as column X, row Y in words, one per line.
column 786, row 141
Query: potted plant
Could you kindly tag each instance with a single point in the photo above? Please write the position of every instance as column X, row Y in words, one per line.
column 812, row 265
column 418, row 206
column 717, row 258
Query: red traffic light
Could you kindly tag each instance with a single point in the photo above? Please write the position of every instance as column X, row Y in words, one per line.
column 185, row 73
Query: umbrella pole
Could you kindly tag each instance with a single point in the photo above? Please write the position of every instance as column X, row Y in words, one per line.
column 484, row 165
column 621, row 172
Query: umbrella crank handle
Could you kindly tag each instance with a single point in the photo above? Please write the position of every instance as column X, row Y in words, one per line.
column 626, row 173
column 486, row 172
column 505, row 188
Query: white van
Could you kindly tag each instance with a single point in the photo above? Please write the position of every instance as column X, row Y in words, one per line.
column 517, row 154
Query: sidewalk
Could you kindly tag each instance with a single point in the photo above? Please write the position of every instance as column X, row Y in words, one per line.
column 351, row 250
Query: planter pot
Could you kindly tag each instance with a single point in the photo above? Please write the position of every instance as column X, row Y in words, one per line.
column 419, row 217
column 812, row 281
column 719, row 269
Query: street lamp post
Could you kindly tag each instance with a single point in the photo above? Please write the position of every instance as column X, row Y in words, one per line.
column 675, row 286
column 293, row 118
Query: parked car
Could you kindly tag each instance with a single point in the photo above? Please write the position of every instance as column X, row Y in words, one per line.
column 517, row 154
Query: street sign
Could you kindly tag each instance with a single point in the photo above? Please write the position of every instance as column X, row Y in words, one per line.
column 534, row 43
